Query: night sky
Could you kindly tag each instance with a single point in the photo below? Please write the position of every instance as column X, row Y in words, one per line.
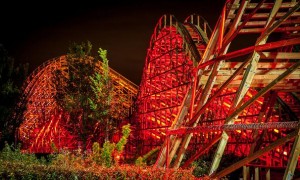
column 36, row 32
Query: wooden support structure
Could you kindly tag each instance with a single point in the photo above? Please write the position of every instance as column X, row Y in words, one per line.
column 254, row 155
column 230, row 86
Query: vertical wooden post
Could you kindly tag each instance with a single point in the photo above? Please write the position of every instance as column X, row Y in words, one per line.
column 256, row 173
column 245, row 172
column 268, row 174
column 293, row 159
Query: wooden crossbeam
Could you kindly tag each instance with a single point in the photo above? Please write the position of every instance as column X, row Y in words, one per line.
column 260, row 65
column 245, row 51
column 255, row 155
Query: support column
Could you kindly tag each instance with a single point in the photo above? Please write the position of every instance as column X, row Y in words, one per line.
column 245, row 172
column 293, row 159
column 268, row 174
column 256, row 173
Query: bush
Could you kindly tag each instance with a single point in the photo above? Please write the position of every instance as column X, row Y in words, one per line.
column 67, row 165
column 142, row 160
column 201, row 168
column 106, row 153
column 11, row 154
column 22, row 171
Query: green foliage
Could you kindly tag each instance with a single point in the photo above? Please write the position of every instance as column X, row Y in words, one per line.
column 67, row 165
column 54, row 148
column 106, row 153
column 22, row 171
column 142, row 160
column 121, row 144
column 73, row 92
column 104, row 103
column 103, row 55
column 201, row 168
column 99, row 156
column 96, row 156
column 87, row 95
column 100, row 100
column 80, row 50
column 11, row 154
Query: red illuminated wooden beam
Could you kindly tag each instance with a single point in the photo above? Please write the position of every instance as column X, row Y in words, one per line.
column 248, row 50
column 233, row 127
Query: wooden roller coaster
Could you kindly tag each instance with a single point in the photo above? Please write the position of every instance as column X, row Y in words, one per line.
column 44, row 122
column 233, row 90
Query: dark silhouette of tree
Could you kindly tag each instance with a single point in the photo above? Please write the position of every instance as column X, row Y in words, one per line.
column 74, row 90
column 87, row 95
column 11, row 80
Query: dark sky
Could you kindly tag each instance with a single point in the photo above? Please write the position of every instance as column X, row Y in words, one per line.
column 35, row 32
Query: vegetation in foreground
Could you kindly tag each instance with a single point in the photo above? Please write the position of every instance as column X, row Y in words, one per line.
column 76, row 165
column 100, row 163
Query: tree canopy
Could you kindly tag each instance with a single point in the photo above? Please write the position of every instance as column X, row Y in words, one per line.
column 11, row 79
column 86, row 95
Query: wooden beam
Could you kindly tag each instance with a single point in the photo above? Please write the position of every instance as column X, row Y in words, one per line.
column 200, row 110
column 293, row 159
column 267, row 76
column 248, row 50
column 261, row 65
column 261, row 23
column 256, row 173
column 255, row 155
column 284, row 5
column 263, row 91
column 279, row 55
column 183, row 110
column 277, row 23
column 286, row 83
column 266, row 15
column 223, row 141
column 201, row 151
column 259, row 30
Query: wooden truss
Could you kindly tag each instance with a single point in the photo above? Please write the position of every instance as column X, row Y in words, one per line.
column 231, row 85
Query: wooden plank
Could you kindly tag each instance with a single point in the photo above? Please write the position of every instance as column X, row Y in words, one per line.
column 266, row 15
column 248, row 50
column 254, row 155
column 260, row 65
column 269, row 74
column 293, row 159
column 257, row 79
column 287, row 84
column 259, row 30
column 263, row 23
column 285, row 5
column 279, row 55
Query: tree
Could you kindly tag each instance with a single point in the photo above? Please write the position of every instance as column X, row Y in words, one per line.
column 104, row 102
column 102, row 95
column 74, row 90
column 86, row 94
column 11, row 80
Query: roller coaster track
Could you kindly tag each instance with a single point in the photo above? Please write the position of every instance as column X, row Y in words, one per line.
column 43, row 121
column 248, row 95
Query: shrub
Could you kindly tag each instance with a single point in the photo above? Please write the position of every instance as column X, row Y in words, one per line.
column 106, row 153
column 141, row 161
column 67, row 165
column 9, row 153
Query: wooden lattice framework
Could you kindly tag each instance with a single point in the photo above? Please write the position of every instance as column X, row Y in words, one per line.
column 233, row 88
column 44, row 122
